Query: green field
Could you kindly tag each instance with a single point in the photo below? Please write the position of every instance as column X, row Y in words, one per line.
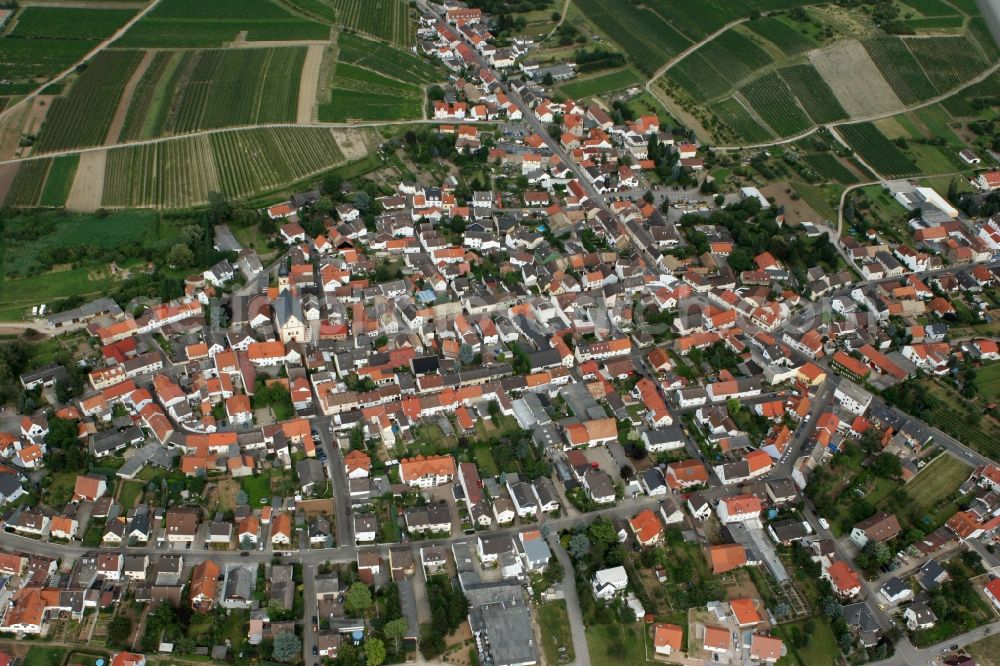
column 130, row 493
column 146, row 113
column 740, row 122
column 615, row 644
column 774, row 102
column 822, row 649
column 358, row 93
column 931, row 7
column 813, row 93
column 974, row 99
column 257, row 487
column 44, row 656
column 385, row 19
column 877, row 150
column 21, row 294
column 782, row 34
column 46, row 40
column 234, row 87
column 988, row 382
column 194, row 24
column 82, row 117
column 60, row 180
column 827, row 165
column 69, row 22
column 32, row 243
column 386, row 59
column 601, row 83
column 554, row 621
column 937, row 482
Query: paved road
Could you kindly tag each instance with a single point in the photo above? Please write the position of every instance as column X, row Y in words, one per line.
column 341, row 490
column 576, row 627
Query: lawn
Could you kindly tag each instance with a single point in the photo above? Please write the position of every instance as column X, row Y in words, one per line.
column 484, row 459
column 987, row 382
column 44, row 656
column 602, row 83
column 821, row 650
column 257, row 487
column 616, row 644
column 131, row 491
column 554, row 621
column 986, row 651
column 61, row 490
column 937, row 482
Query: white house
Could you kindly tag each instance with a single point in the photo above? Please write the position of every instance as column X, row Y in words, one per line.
column 608, row 583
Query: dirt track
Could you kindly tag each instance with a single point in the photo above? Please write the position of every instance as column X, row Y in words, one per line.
column 308, row 83
column 126, row 100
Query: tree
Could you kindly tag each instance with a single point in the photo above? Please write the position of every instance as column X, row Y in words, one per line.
column 579, row 546
column 246, row 543
column 287, row 647
column 888, row 466
column 180, row 256
column 358, row 599
column 241, row 497
column 395, row 630
column 119, row 631
column 374, row 652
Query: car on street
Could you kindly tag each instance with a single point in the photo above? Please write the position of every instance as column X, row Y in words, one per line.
column 824, row 523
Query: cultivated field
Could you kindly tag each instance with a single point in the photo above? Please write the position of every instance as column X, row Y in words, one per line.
column 900, row 69
column 385, row 19
column 813, row 93
column 358, row 93
column 828, row 166
column 716, row 68
column 948, row 61
column 46, row 40
column 82, row 116
column 238, row 87
column 777, row 30
column 601, row 83
column 842, row 66
column 741, row 124
column 775, row 103
column 877, row 150
column 180, row 173
column 387, row 60
column 640, row 32
column 199, row 24
column 27, row 186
